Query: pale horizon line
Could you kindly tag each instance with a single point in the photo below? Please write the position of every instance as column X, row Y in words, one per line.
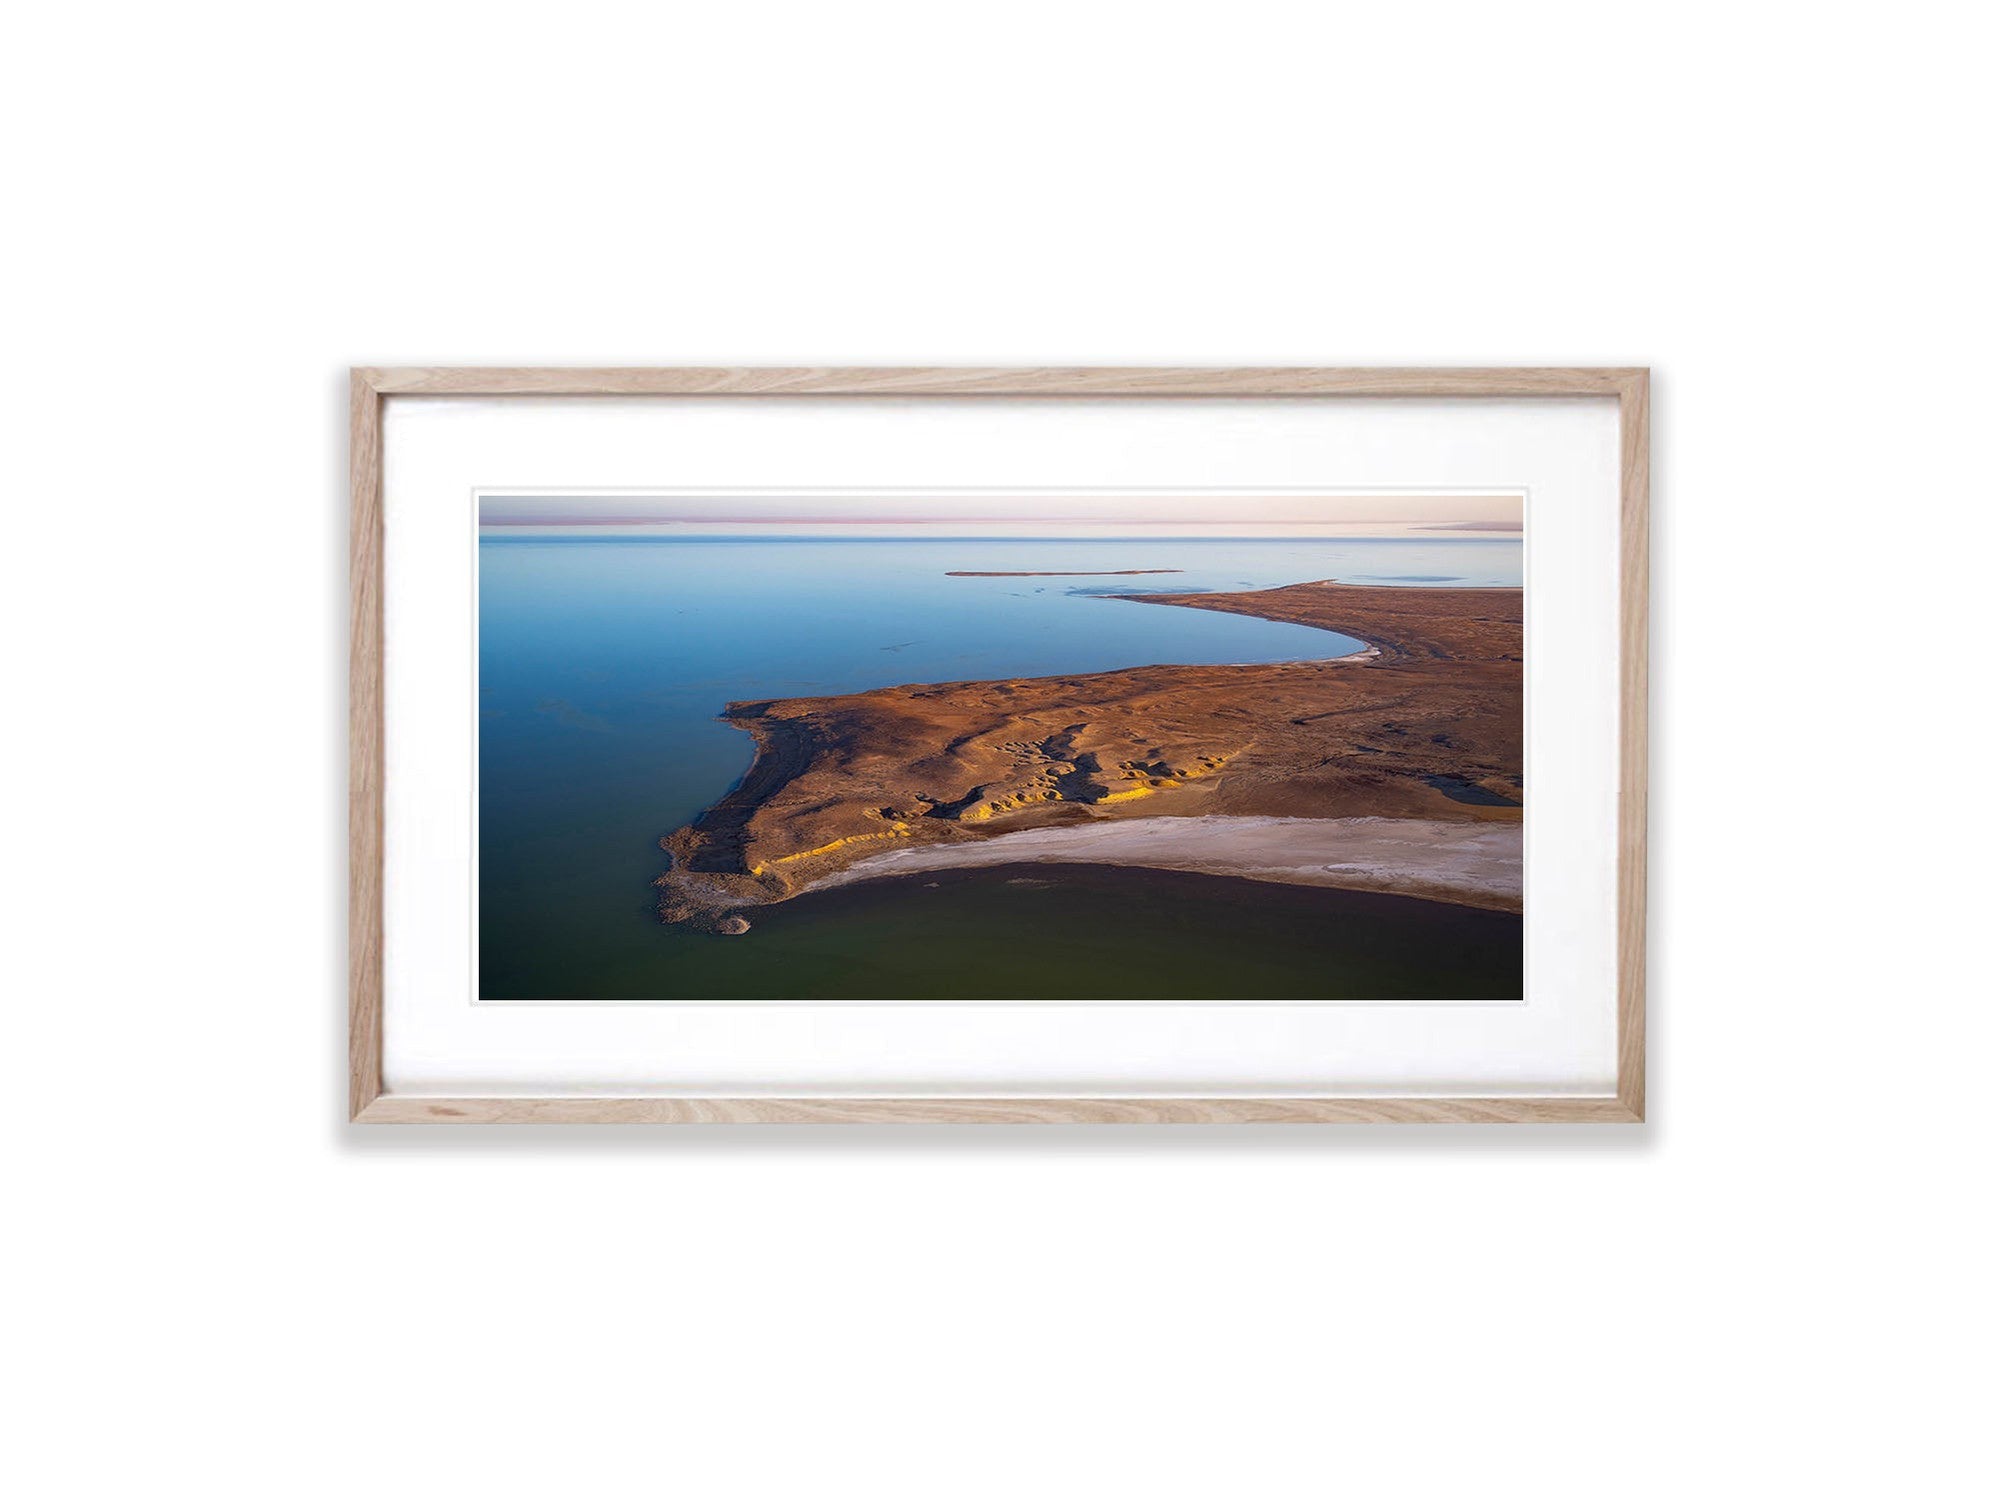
column 1139, row 512
column 1196, row 527
column 894, row 531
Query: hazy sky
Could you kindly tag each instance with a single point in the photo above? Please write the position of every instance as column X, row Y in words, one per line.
column 1016, row 513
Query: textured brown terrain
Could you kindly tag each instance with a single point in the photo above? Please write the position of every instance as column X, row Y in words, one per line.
column 1426, row 724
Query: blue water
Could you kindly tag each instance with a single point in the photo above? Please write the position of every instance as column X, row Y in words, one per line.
column 604, row 662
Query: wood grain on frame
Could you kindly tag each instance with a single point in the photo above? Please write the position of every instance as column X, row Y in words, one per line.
column 364, row 751
column 391, row 1109
column 1634, row 594
column 1275, row 382
column 367, row 1102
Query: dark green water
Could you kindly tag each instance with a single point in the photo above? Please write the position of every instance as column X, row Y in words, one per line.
column 1087, row 932
column 604, row 662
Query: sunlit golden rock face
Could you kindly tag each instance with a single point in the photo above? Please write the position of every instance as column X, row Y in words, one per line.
column 1426, row 722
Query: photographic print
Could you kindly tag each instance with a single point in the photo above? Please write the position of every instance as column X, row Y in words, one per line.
column 965, row 745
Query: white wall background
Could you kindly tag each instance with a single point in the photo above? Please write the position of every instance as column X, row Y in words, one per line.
column 1782, row 1284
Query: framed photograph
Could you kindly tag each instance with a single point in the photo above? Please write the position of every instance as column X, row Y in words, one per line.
column 953, row 745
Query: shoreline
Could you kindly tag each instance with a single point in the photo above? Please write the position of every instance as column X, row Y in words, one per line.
column 1461, row 863
column 1326, row 770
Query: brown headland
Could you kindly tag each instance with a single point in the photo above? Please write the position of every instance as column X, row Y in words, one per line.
column 1423, row 726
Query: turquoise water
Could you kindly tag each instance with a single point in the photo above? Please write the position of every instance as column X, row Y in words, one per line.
column 604, row 661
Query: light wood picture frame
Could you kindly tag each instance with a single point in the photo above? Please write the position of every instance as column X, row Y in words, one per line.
column 371, row 388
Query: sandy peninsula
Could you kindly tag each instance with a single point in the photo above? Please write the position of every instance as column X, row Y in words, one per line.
column 1466, row 863
column 1397, row 768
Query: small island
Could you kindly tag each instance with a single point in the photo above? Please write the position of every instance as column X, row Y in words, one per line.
column 1397, row 769
column 1122, row 572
